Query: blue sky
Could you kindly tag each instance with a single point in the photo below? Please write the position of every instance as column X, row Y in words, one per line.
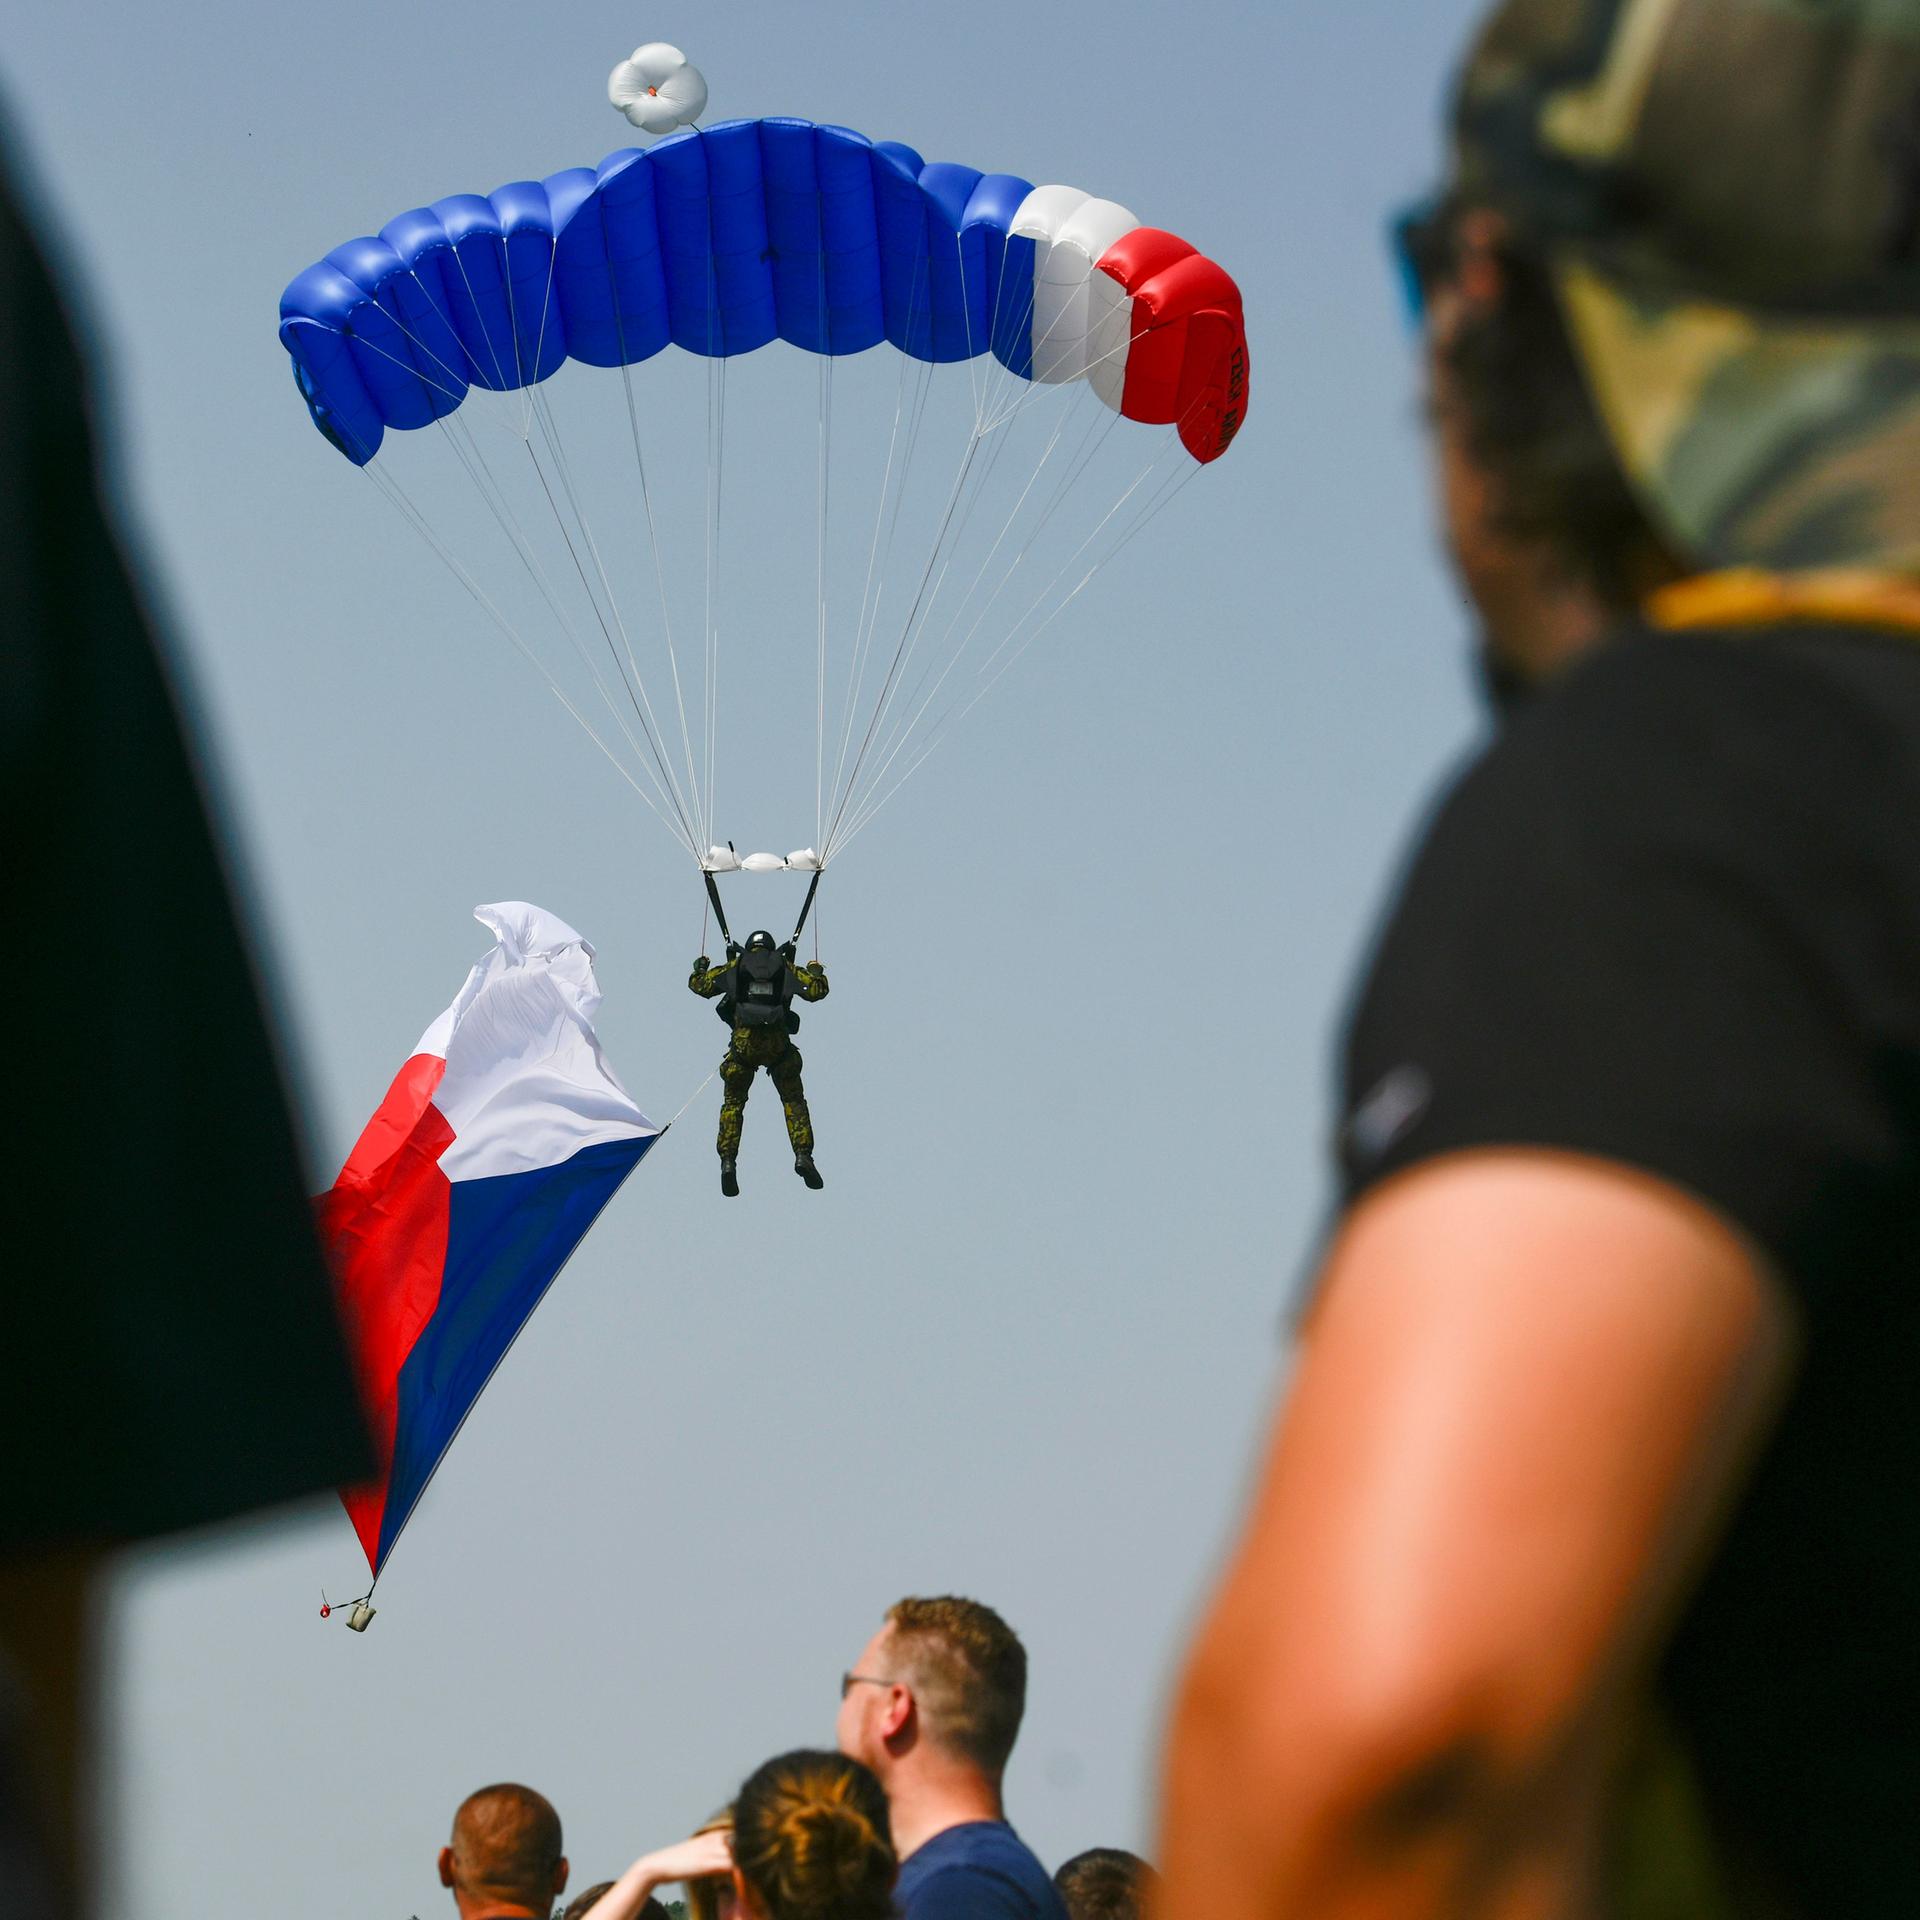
column 1073, row 1086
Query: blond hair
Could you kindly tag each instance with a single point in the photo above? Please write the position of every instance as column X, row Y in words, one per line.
column 812, row 1840
column 968, row 1672
column 704, row 1895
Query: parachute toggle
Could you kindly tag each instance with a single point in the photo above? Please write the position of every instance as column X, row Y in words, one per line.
column 725, row 860
column 658, row 89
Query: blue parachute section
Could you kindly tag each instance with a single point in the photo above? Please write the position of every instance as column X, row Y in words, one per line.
column 717, row 240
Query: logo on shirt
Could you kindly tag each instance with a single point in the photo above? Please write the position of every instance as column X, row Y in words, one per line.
column 1381, row 1119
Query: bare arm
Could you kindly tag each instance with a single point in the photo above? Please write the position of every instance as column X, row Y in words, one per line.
column 1524, row 1399
column 695, row 1859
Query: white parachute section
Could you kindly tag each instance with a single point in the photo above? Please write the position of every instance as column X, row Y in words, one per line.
column 658, row 88
column 725, row 860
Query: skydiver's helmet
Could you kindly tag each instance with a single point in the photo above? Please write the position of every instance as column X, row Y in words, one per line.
column 761, row 942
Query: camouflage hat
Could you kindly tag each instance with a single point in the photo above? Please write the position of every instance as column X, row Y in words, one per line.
column 1728, row 193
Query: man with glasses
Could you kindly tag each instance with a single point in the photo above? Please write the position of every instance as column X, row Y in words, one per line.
column 1583, row 1567
column 933, row 1706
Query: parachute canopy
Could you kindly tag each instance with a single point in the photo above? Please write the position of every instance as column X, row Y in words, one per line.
column 721, row 239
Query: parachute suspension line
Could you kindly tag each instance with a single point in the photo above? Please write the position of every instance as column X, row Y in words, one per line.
column 868, row 624
column 539, row 411
column 1169, row 487
column 966, row 316
column 641, row 707
column 716, row 484
column 418, row 521
column 636, row 688
column 374, row 346
column 493, row 495
column 907, row 630
column 653, row 541
column 981, row 483
column 490, row 492
column 488, row 487
column 898, row 735
column 1003, row 375
column 486, row 332
column 820, row 592
column 823, row 321
column 716, row 449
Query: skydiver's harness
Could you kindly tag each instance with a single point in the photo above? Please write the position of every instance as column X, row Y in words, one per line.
column 761, row 994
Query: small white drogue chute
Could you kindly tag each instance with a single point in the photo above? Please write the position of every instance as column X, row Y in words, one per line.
column 658, row 88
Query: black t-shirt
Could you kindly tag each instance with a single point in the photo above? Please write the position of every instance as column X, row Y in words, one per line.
column 1672, row 918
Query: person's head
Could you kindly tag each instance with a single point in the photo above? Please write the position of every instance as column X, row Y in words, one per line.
column 583, row 1904
column 760, row 942
column 942, row 1685
column 1666, row 314
column 1105, row 1883
column 713, row 1898
column 505, row 1852
column 811, row 1841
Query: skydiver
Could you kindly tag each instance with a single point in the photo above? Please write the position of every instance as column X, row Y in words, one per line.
column 756, row 988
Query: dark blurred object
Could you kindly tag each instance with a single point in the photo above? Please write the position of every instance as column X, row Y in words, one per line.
column 168, row 1322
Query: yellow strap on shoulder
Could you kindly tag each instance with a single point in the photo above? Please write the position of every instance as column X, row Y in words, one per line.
column 1751, row 597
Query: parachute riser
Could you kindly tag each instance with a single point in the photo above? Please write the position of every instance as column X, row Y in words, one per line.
column 806, row 906
column 720, row 912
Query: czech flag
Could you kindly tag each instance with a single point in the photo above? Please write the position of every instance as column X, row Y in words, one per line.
column 496, row 1147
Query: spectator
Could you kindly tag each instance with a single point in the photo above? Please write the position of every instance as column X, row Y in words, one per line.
column 504, row 1861
column 710, row 1896
column 1582, row 1573
column 933, row 1706
column 696, row 1862
column 1105, row 1883
column 583, row 1904
column 812, row 1841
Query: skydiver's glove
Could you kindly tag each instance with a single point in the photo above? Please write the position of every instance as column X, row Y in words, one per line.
column 702, row 964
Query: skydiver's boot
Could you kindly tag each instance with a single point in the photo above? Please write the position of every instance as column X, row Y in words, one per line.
column 729, row 1178
column 804, row 1167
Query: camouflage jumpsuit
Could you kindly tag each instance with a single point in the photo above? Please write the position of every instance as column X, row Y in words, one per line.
column 756, row 1047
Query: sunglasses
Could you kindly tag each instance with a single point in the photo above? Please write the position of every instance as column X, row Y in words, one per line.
column 1421, row 239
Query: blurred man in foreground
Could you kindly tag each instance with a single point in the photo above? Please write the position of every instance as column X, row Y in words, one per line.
column 933, row 1707
column 504, row 1861
column 1581, row 1575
